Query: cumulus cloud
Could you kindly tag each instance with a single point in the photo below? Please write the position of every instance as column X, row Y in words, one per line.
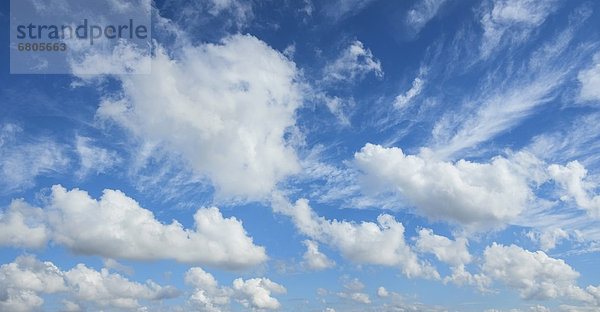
column 446, row 250
column 380, row 243
column 572, row 180
column 382, row 292
column 354, row 63
column 224, row 108
column 253, row 293
column 112, row 290
column 513, row 18
column 314, row 259
column 534, row 274
column 476, row 195
column 23, row 281
column 22, row 225
column 117, row 227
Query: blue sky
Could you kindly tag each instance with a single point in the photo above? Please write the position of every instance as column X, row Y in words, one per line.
column 366, row 155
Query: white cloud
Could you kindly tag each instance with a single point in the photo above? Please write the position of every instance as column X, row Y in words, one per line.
column 354, row 63
column 314, row 259
column 403, row 100
column 225, row 108
column 22, row 160
column 512, row 20
column 93, row 159
column 24, row 280
column 572, row 179
column 382, row 292
column 446, row 250
column 22, row 225
column 117, row 227
column 590, row 81
column 455, row 253
column 380, row 243
column 476, row 195
column 533, row 274
column 112, row 290
column 460, row 276
column 253, row 293
column 422, row 13
column 547, row 239
column 256, row 293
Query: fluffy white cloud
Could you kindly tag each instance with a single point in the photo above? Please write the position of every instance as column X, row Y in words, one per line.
column 446, row 250
column 354, row 63
column 590, row 81
column 476, row 195
column 314, row 259
column 253, row 293
column 24, row 280
column 533, row 274
column 256, row 293
column 112, row 290
column 367, row 242
column 382, row 292
column 224, row 108
column 515, row 17
column 572, row 179
column 206, row 294
column 22, row 225
column 117, row 227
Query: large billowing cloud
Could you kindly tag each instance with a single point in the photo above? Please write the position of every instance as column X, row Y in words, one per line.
column 115, row 226
column 476, row 195
column 224, row 108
